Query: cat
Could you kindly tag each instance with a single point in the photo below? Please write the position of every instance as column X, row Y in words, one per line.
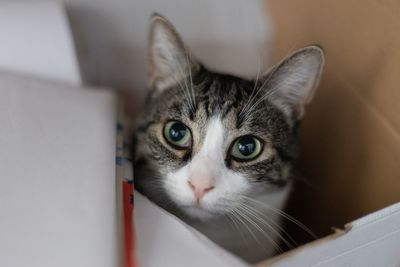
column 217, row 150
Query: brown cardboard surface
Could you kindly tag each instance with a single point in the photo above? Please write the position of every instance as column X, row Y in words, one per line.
column 351, row 133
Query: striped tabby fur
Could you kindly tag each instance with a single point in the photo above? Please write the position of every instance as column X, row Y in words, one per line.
column 242, row 212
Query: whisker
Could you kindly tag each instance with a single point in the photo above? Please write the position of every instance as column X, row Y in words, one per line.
column 185, row 93
column 284, row 215
column 235, row 224
column 254, row 88
column 188, row 61
column 265, row 220
column 238, row 217
column 241, row 215
column 262, row 231
column 249, row 110
column 262, row 98
column 180, row 70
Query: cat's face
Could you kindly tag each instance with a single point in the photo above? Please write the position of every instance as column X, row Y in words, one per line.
column 208, row 142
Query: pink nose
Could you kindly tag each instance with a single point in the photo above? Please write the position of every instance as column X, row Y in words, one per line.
column 200, row 187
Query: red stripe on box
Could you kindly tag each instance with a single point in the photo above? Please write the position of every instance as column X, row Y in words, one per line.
column 129, row 245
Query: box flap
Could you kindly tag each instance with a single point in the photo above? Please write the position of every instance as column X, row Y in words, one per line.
column 350, row 137
column 373, row 240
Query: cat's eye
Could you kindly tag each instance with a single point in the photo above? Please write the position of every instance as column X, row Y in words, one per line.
column 246, row 148
column 177, row 134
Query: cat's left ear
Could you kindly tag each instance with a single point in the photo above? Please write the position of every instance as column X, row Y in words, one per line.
column 292, row 82
column 169, row 61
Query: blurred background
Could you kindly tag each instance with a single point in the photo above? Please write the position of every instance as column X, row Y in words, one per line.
column 111, row 36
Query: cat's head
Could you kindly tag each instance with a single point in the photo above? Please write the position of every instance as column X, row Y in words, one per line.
column 209, row 141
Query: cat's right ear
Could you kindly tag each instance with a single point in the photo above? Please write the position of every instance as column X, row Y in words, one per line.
column 169, row 61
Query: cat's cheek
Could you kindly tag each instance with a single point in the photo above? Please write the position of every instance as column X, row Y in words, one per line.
column 177, row 188
column 228, row 194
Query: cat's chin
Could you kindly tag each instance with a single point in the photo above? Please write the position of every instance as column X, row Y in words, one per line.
column 199, row 213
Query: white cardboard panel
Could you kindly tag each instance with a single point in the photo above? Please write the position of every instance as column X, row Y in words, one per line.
column 57, row 175
column 373, row 240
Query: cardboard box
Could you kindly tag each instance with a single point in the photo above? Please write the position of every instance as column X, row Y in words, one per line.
column 350, row 137
column 57, row 174
column 373, row 240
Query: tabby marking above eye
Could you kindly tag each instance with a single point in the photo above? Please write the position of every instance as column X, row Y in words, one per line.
column 246, row 148
column 177, row 135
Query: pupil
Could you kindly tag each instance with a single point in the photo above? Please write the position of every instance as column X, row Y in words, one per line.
column 177, row 132
column 246, row 146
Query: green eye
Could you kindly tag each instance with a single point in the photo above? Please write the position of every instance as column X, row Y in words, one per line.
column 177, row 134
column 246, row 148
